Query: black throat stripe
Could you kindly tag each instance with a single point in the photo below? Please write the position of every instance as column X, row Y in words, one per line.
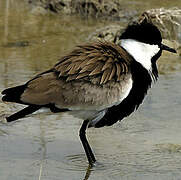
column 141, row 83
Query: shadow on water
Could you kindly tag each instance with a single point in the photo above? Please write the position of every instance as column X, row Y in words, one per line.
column 88, row 172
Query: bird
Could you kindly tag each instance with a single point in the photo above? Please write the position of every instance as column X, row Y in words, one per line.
column 99, row 82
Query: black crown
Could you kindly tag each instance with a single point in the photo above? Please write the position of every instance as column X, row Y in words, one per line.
column 144, row 32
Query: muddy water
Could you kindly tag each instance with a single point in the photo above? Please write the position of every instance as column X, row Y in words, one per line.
column 147, row 145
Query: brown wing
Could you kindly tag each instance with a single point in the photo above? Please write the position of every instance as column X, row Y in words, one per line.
column 68, row 85
column 102, row 59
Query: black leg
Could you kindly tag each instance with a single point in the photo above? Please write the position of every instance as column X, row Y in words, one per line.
column 87, row 148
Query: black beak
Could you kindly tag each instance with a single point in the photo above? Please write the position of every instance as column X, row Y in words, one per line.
column 166, row 48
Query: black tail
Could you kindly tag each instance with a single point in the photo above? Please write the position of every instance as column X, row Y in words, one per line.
column 22, row 113
column 13, row 94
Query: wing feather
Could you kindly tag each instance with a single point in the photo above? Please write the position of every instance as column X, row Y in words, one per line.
column 94, row 59
column 84, row 62
column 105, row 60
column 107, row 64
column 105, row 76
column 97, row 70
column 81, row 75
column 112, row 74
column 74, row 69
column 71, row 77
column 89, row 68
column 118, row 71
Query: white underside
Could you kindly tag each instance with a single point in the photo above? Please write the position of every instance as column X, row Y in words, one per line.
column 93, row 116
column 141, row 52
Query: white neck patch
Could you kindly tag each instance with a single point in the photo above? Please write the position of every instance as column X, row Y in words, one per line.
column 141, row 52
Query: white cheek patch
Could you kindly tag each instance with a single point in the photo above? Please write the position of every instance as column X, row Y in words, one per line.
column 141, row 52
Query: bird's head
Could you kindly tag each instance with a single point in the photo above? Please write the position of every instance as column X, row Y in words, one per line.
column 145, row 33
column 144, row 42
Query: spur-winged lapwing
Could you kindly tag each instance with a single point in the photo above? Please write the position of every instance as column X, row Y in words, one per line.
column 99, row 82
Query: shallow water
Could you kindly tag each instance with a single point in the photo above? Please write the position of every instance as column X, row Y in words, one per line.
column 147, row 145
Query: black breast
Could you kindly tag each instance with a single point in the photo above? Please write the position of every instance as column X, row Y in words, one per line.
column 141, row 83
